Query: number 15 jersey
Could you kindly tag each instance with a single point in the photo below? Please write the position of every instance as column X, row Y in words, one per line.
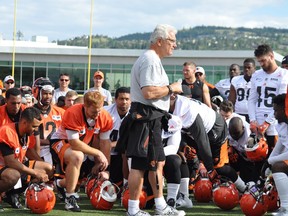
column 264, row 87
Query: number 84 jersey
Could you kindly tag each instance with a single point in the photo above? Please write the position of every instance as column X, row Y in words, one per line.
column 264, row 87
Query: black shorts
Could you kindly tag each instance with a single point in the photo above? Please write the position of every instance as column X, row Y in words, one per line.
column 155, row 149
column 140, row 163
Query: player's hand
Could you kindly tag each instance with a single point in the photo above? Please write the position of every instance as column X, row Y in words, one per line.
column 176, row 87
column 253, row 126
column 232, row 154
column 102, row 176
column 214, row 178
column 103, row 162
column 262, row 128
column 203, row 171
column 265, row 170
column 41, row 176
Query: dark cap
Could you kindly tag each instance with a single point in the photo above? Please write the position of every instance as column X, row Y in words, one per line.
column 285, row 60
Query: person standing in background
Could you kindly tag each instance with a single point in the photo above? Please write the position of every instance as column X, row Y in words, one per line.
column 98, row 82
column 266, row 83
column 64, row 81
column 201, row 75
column 222, row 88
column 197, row 89
column 9, row 82
column 240, row 88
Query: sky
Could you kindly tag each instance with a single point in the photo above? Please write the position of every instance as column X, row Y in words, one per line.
column 65, row 19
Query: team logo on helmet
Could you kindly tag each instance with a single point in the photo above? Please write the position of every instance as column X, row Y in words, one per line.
column 40, row 199
column 226, row 196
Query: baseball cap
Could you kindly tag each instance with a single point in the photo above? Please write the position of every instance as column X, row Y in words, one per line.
column 285, row 60
column 9, row 77
column 99, row 73
column 200, row 70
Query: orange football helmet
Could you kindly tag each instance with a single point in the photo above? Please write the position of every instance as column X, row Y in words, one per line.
column 104, row 195
column 226, row 196
column 257, row 149
column 91, row 183
column 254, row 202
column 273, row 200
column 125, row 198
column 40, row 199
column 203, row 190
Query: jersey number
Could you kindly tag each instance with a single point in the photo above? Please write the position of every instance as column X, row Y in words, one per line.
column 47, row 128
column 269, row 93
column 241, row 94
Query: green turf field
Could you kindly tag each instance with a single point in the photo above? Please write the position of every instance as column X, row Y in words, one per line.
column 87, row 209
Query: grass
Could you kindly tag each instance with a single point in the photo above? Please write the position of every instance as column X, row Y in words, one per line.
column 87, row 209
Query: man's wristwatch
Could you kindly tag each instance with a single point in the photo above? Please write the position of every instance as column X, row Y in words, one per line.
column 170, row 90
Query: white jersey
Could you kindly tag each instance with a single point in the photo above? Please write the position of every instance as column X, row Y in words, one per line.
column 173, row 134
column 58, row 93
column 242, row 89
column 188, row 109
column 263, row 88
column 223, row 86
column 239, row 145
column 112, row 109
column 280, row 151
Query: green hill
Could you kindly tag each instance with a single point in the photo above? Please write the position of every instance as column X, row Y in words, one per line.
column 197, row 38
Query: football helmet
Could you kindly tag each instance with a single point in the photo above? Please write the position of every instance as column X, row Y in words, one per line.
column 91, row 183
column 203, row 190
column 254, row 202
column 103, row 195
column 40, row 198
column 273, row 200
column 41, row 84
column 256, row 149
column 125, row 198
column 226, row 196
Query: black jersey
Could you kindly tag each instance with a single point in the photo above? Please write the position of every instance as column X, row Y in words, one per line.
column 196, row 89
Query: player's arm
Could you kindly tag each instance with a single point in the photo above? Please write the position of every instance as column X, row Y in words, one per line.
column 206, row 96
column 12, row 162
column 155, row 92
column 214, row 92
column 31, row 154
column 232, row 94
column 200, row 136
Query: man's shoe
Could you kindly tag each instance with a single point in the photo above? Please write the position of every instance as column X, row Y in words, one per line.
column 13, row 200
column 71, row 204
column 184, row 202
column 171, row 202
column 168, row 210
column 139, row 213
column 61, row 193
